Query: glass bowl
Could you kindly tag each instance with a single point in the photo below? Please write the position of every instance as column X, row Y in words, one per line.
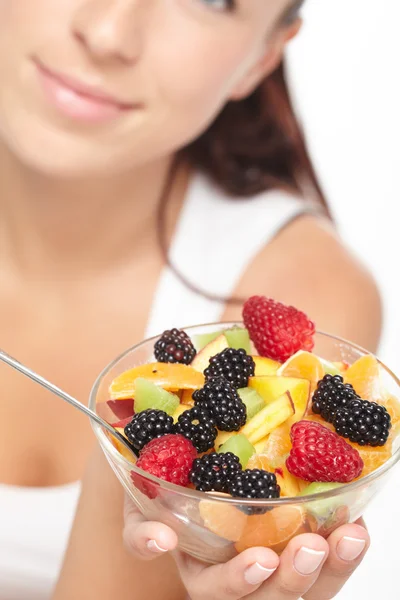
column 214, row 528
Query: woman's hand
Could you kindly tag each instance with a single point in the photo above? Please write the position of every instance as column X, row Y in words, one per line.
column 310, row 567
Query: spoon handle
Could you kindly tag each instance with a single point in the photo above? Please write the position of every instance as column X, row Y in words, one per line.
column 15, row 364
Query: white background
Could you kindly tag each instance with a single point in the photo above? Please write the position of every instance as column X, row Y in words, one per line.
column 346, row 78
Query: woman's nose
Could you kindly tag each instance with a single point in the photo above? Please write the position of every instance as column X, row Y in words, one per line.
column 111, row 30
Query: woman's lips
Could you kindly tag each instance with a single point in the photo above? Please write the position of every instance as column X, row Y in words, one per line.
column 79, row 101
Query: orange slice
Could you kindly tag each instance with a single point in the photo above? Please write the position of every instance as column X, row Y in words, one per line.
column 373, row 458
column 259, row 446
column 364, row 376
column 223, row 519
column 273, row 530
column 170, row 376
column 259, row 461
column 393, row 407
column 303, row 364
column 278, row 446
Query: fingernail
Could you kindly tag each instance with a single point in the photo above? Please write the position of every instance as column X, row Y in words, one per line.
column 256, row 574
column 349, row 548
column 154, row 547
column 307, row 561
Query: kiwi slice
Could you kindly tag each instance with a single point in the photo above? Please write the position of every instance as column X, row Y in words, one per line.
column 329, row 368
column 240, row 446
column 322, row 508
column 203, row 339
column 238, row 338
column 149, row 395
column 253, row 401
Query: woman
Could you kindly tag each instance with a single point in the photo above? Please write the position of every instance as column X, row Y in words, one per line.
column 125, row 126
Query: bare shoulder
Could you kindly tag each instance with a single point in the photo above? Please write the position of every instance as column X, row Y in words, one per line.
column 307, row 265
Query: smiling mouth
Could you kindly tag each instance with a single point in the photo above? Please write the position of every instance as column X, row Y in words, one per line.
column 78, row 100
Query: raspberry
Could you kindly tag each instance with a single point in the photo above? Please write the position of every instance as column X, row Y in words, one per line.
column 330, row 395
column 319, row 454
column 278, row 331
column 213, row 472
column 147, row 425
column 223, row 403
column 365, row 423
column 174, row 346
column 236, row 366
column 198, row 426
column 254, row 483
column 170, row 458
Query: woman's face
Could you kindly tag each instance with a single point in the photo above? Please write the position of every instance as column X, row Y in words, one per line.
column 100, row 86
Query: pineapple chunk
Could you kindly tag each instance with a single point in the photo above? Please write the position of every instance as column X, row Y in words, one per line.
column 290, row 485
column 265, row 366
column 179, row 411
column 271, row 388
column 270, row 417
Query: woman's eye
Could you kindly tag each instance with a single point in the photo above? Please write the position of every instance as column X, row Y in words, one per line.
column 221, row 5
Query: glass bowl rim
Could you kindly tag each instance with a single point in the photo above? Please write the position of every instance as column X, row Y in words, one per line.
column 110, row 449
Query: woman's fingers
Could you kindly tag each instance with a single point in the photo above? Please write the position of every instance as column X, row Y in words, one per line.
column 258, row 573
column 146, row 539
column 309, row 567
column 238, row 578
column 300, row 566
column 348, row 546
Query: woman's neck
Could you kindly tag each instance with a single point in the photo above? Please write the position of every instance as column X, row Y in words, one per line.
column 47, row 223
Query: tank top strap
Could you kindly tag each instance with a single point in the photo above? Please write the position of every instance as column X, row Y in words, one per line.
column 216, row 239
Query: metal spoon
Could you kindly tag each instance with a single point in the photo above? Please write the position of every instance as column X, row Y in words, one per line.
column 15, row 364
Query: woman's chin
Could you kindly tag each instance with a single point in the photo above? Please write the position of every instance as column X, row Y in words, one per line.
column 54, row 153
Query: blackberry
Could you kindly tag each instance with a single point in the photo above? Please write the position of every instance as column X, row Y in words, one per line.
column 252, row 484
column 223, row 403
column 197, row 426
column 235, row 365
column 148, row 425
column 365, row 423
column 213, row 472
column 331, row 395
column 174, row 346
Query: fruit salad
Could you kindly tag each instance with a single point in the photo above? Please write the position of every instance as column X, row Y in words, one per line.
column 252, row 413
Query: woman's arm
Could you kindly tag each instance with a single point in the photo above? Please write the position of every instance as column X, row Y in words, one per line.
column 97, row 566
column 307, row 266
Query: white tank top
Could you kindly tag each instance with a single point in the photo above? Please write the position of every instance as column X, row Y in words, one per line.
column 215, row 240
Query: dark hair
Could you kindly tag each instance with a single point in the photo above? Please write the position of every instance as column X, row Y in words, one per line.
column 254, row 145
column 257, row 144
